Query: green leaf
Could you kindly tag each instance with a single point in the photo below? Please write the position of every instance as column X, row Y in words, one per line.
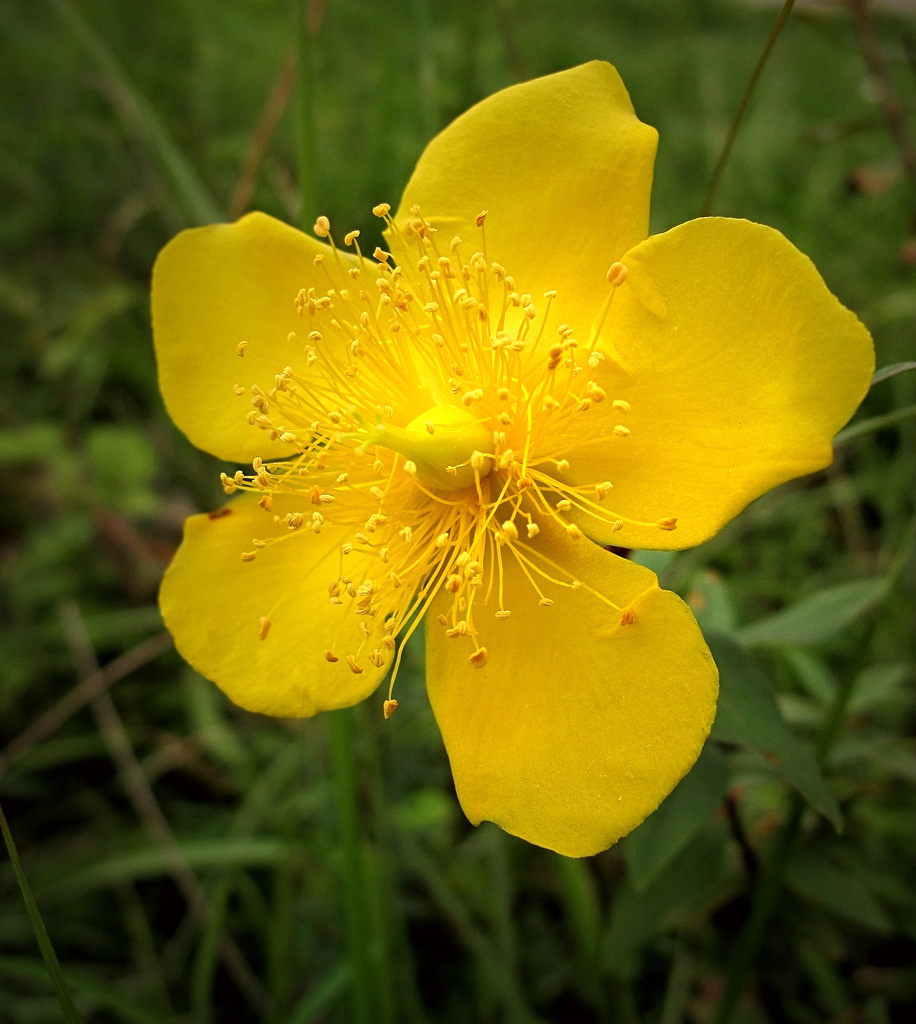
column 840, row 891
column 711, row 601
column 877, row 685
column 151, row 862
column 659, row 839
column 692, row 880
column 816, row 618
column 748, row 714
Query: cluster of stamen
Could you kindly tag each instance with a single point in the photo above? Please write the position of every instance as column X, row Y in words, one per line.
column 425, row 418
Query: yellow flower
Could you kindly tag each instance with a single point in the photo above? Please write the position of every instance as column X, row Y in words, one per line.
column 455, row 427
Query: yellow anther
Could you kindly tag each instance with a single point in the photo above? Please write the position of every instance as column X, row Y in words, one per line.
column 479, row 461
column 350, row 237
column 479, row 658
column 389, row 708
column 617, row 525
column 480, row 218
column 322, row 227
column 263, row 627
column 354, row 668
column 510, row 529
column 621, row 431
column 453, row 583
column 621, row 405
column 430, row 427
column 602, row 489
column 627, row 617
column 410, row 467
column 617, row 274
column 249, row 556
column 266, row 502
column 382, row 210
column 503, row 613
column 533, row 530
column 668, row 523
column 442, row 540
column 331, row 656
column 573, row 532
column 381, row 255
column 564, row 504
column 240, row 348
column 546, row 601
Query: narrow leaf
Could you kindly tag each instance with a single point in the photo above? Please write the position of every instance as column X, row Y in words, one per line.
column 874, row 423
column 891, row 371
column 816, row 618
column 71, row 1015
column 139, row 117
column 748, row 714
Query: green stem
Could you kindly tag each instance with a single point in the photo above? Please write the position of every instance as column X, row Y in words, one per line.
column 745, row 950
column 356, row 900
column 71, row 1015
column 764, row 903
column 306, row 148
column 717, row 173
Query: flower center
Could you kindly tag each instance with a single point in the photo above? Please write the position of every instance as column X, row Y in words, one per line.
column 436, row 417
column 444, row 446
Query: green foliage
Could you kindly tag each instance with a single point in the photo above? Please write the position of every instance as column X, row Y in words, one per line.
column 185, row 856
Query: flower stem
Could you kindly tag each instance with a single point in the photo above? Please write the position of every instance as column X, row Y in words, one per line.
column 356, row 901
column 719, row 169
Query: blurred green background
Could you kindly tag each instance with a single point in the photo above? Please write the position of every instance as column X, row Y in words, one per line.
column 185, row 854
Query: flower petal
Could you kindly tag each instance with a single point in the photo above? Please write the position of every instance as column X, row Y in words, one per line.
column 214, row 287
column 577, row 726
column 565, row 169
column 740, row 367
column 213, row 604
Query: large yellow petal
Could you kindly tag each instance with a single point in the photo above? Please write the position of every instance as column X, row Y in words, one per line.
column 740, row 367
column 213, row 603
column 577, row 727
column 214, row 287
column 564, row 168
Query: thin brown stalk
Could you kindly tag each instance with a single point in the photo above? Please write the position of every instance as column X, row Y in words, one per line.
column 94, row 683
column 281, row 90
column 891, row 107
column 147, row 807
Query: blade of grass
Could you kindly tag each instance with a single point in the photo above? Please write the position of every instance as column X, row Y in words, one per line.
column 71, row 1015
column 356, row 899
column 719, row 169
column 886, row 372
column 322, row 995
column 141, row 120
column 874, row 423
